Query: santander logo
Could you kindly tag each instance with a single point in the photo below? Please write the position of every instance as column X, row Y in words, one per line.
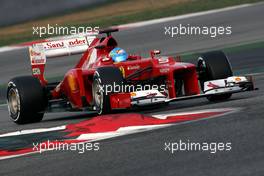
column 34, row 53
column 54, row 45
column 77, row 42
column 65, row 43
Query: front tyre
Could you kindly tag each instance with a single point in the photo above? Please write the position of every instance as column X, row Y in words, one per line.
column 106, row 79
column 26, row 100
column 212, row 66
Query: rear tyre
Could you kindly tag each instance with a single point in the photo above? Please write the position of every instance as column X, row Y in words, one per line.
column 105, row 77
column 26, row 100
column 211, row 66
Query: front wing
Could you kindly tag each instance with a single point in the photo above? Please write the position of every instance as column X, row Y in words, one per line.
column 230, row 85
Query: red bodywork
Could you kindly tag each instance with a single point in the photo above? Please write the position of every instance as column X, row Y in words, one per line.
column 77, row 83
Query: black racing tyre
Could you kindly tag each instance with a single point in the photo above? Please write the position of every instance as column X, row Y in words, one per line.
column 103, row 77
column 26, row 99
column 211, row 66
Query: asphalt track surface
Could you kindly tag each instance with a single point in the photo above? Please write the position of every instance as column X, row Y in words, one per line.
column 34, row 9
column 143, row 153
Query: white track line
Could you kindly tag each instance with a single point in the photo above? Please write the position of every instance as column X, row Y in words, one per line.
column 179, row 17
column 33, row 131
column 120, row 132
column 161, row 115
column 155, row 21
column 130, row 130
column 18, row 155
column 2, row 105
column 10, row 48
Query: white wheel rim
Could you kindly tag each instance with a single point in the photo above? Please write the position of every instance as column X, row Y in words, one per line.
column 97, row 96
column 13, row 101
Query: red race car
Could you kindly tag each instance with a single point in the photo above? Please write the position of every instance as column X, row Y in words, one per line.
column 107, row 78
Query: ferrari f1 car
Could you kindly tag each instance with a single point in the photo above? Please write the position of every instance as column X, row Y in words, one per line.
column 99, row 84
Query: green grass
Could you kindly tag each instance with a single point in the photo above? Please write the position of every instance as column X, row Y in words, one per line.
column 178, row 9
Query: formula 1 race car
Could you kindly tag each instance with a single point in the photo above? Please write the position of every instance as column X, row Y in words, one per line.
column 99, row 84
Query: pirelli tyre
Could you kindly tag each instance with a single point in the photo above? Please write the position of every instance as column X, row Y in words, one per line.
column 211, row 66
column 104, row 81
column 26, row 99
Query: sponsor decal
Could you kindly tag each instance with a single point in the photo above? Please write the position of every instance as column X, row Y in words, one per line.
column 77, row 42
column 237, row 79
column 133, row 67
column 65, row 43
column 133, row 94
column 54, row 45
column 122, row 71
column 36, row 71
column 214, row 86
column 37, row 55
column 151, row 95
column 163, row 60
column 34, row 53
column 72, row 83
column 164, row 70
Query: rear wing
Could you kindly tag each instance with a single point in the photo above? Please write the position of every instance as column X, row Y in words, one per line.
column 57, row 47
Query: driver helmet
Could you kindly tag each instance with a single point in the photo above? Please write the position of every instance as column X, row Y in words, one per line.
column 118, row 55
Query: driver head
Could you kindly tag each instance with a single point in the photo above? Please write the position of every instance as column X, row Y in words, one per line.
column 118, row 55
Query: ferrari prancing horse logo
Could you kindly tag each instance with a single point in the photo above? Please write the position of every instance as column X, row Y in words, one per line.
column 122, row 71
